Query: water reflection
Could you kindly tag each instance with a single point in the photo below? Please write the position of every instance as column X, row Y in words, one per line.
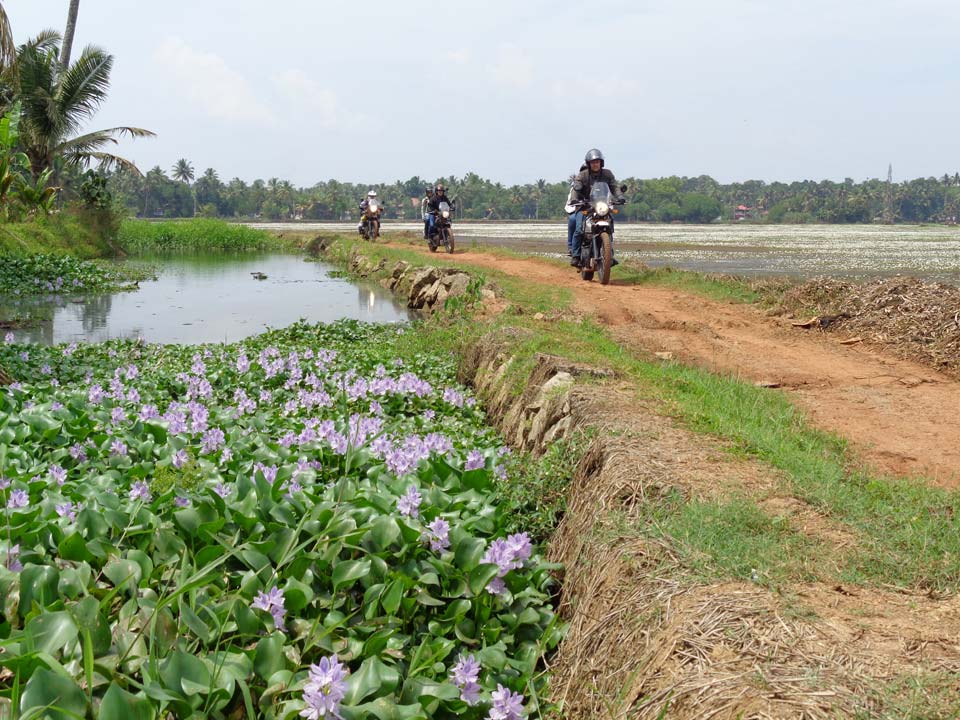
column 208, row 299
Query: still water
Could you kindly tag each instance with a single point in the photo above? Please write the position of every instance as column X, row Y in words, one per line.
column 208, row 298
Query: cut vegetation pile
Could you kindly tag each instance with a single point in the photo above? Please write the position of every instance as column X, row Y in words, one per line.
column 915, row 319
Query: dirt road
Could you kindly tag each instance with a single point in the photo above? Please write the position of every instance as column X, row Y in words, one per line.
column 902, row 417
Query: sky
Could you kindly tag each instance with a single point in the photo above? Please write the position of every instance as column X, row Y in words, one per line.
column 516, row 90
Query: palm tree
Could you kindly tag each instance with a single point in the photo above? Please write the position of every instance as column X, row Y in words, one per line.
column 183, row 171
column 68, row 33
column 58, row 100
column 8, row 62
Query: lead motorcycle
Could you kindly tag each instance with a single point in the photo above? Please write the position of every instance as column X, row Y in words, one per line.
column 442, row 231
column 370, row 225
column 596, row 246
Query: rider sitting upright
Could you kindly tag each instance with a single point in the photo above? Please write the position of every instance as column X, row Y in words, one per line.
column 433, row 207
column 364, row 204
column 580, row 193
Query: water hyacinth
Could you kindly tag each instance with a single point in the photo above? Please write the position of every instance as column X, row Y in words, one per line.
column 509, row 554
column 409, row 504
column 506, row 705
column 272, row 602
column 18, row 499
column 356, row 465
column 465, row 675
column 438, row 535
column 325, row 689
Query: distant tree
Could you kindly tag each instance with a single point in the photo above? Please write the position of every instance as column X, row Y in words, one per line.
column 183, row 171
column 8, row 62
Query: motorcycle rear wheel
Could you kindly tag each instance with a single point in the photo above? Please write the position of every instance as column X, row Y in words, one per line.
column 606, row 258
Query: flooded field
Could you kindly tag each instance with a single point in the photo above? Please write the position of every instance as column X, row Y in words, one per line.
column 931, row 252
column 206, row 298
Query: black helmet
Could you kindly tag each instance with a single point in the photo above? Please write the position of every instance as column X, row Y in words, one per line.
column 593, row 154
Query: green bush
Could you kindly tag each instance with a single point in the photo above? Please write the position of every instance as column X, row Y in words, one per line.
column 197, row 234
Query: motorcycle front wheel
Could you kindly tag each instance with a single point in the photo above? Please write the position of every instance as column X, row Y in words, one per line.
column 606, row 258
column 450, row 242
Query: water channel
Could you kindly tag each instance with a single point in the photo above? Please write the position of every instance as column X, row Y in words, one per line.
column 207, row 298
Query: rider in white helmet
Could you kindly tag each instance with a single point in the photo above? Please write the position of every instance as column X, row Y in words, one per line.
column 364, row 204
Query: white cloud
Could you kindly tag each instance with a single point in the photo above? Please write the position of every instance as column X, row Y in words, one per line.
column 319, row 104
column 212, row 85
column 513, row 68
column 459, row 57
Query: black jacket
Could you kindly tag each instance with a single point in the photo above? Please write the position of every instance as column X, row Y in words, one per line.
column 434, row 202
column 583, row 183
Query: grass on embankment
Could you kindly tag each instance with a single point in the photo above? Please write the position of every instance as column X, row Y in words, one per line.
column 196, row 235
column 907, row 533
column 78, row 233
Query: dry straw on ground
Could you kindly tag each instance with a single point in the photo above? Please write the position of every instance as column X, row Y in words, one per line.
column 915, row 319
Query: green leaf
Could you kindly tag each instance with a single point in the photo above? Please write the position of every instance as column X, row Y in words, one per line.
column 392, row 596
column 384, row 709
column 74, row 547
column 118, row 704
column 185, row 674
column 38, row 584
column 469, row 552
column 372, row 677
column 268, row 657
column 384, row 532
column 482, row 575
column 51, row 631
column 349, row 571
column 478, row 480
column 123, row 573
column 54, row 696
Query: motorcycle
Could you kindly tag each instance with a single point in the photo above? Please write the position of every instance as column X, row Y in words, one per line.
column 442, row 233
column 596, row 245
column 370, row 225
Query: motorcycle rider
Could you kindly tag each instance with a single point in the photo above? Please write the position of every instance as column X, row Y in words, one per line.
column 425, row 210
column 364, row 204
column 433, row 207
column 571, row 209
column 580, row 192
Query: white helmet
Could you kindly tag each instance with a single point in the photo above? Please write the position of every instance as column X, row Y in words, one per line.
column 372, row 194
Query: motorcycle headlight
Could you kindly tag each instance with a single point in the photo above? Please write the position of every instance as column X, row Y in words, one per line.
column 374, row 207
column 602, row 208
column 446, row 213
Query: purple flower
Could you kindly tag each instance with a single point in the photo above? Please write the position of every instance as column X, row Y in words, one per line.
column 69, row 349
column 58, row 475
column 221, row 490
column 428, row 415
column 181, row 501
column 13, row 559
column 8, row 338
column 213, row 440
column 133, row 395
column 409, row 504
column 507, row 555
column 4, row 483
column 149, row 412
column 243, row 364
column 118, row 415
column 78, row 453
column 67, row 510
column 118, row 447
column 325, row 689
column 438, row 535
column 271, row 602
column 179, row 459
column 18, row 499
column 474, row 460
column 140, row 491
column 46, row 369
column 507, row 705
column 464, row 675
column 453, row 397
column 95, row 394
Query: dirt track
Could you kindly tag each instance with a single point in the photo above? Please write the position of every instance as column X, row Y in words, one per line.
column 902, row 417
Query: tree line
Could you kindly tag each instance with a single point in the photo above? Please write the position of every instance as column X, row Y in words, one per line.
column 670, row 199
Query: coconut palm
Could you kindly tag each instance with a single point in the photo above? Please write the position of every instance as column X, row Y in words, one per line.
column 183, row 171
column 8, row 62
column 58, row 100
column 68, row 33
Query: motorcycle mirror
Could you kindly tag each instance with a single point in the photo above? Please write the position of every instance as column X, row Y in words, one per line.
column 623, row 188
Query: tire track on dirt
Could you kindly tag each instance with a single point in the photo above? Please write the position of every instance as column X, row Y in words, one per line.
column 903, row 418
